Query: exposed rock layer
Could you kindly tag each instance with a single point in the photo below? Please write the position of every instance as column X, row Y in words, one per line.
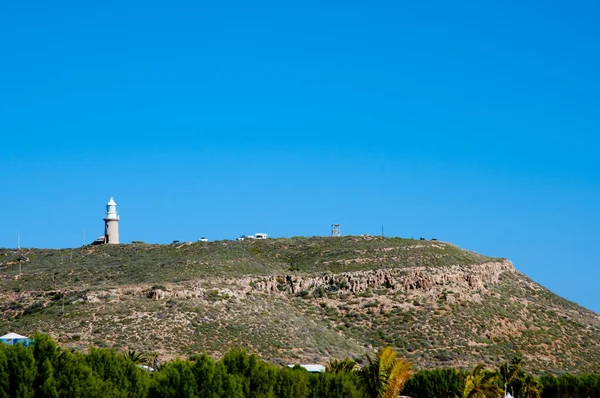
column 464, row 280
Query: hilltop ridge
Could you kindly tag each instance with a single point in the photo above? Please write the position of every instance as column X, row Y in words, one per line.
column 298, row 300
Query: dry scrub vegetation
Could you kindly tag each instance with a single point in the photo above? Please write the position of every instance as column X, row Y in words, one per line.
column 297, row 300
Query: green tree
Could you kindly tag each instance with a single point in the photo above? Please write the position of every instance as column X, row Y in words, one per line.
column 292, row 383
column 47, row 386
column 568, row 385
column 510, row 371
column 174, row 380
column 22, row 371
column 4, row 373
column 45, row 352
column 258, row 378
column 213, row 381
column 385, row 374
column 481, row 383
column 74, row 377
column 531, row 387
column 441, row 383
column 331, row 385
column 118, row 373
column 340, row 366
column 591, row 385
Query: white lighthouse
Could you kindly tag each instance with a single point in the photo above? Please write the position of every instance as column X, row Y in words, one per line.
column 111, row 223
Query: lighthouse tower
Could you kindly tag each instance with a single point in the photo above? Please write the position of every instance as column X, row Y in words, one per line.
column 111, row 223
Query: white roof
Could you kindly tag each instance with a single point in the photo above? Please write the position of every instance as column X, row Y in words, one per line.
column 111, row 202
column 12, row 336
column 311, row 368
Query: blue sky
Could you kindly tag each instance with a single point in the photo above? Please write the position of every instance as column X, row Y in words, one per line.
column 472, row 123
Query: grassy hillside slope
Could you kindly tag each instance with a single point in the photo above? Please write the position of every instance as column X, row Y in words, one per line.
column 297, row 300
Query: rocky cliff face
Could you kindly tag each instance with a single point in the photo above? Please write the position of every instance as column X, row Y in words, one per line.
column 465, row 282
column 473, row 277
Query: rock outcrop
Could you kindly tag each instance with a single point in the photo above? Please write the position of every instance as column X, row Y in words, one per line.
column 472, row 278
column 465, row 281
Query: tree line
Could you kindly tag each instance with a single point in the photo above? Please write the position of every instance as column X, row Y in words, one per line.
column 43, row 369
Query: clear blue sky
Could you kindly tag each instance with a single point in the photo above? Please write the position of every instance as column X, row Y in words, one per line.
column 472, row 122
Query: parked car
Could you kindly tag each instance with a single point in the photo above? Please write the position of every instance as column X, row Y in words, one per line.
column 203, row 239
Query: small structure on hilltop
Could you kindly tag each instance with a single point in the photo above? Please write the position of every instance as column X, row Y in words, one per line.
column 335, row 230
column 111, row 225
column 100, row 241
column 258, row 235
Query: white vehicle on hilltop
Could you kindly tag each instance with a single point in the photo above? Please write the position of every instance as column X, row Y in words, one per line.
column 258, row 235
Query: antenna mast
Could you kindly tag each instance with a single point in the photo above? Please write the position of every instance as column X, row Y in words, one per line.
column 20, row 255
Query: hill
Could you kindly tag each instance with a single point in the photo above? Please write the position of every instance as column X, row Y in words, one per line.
column 298, row 300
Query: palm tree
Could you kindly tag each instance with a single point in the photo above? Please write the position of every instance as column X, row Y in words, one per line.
column 139, row 358
column 481, row 383
column 511, row 371
column 532, row 386
column 385, row 375
column 340, row 366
